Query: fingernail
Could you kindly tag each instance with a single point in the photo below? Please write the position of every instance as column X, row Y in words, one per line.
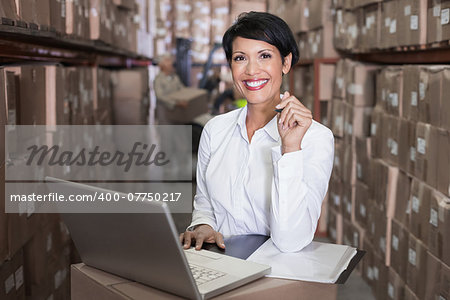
column 279, row 121
column 185, row 245
column 278, row 106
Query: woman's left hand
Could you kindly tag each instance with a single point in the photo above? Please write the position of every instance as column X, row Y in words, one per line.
column 293, row 122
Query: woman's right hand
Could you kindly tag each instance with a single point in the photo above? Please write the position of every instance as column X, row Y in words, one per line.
column 202, row 233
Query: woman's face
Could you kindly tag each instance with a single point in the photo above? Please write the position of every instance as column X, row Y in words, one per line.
column 257, row 70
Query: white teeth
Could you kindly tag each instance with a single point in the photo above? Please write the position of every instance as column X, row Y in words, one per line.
column 255, row 83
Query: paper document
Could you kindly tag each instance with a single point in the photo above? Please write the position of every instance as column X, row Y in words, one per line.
column 318, row 262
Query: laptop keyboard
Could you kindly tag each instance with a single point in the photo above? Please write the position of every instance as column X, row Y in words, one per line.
column 203, row 275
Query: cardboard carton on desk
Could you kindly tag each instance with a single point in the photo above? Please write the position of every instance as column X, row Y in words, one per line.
column 91, row 283
column 197, row 105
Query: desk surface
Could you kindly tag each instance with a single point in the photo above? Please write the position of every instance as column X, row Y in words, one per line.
column 90, row 283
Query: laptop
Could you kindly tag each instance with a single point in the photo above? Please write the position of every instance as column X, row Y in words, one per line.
column 146, row 248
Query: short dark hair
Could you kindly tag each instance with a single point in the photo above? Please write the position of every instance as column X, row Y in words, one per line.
column 265, row 27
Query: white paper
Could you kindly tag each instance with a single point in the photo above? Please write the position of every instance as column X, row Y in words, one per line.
column 317, row 262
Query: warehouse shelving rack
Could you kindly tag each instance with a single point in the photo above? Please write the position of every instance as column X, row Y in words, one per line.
column 19, row 44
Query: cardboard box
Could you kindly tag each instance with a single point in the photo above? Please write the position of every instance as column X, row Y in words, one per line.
column 389, row 30
column 335, row 191
column 410, row 99
column 370, row 32
column 297, row 15
column 381, row 91
column 390, row 139
column 383, row 187
column 200, row 30
column 361, row 89
column 320, row 42
column 439, row 226
column 340, row 86
column 433, row 271
column 99, row 21
column 426, row 153
column 338, row 109
column 319, row 13
column 326, row 77
column 58, row 16
column 197, row 105
column 407, row 145
column 412, row 22
column 376, row 132
column 12, row 278
column 349, row 166
column 394, row 90
column 353, row 234
column 430, row 94
column 438, row 28
column 348, row 204
column 339, row 158
column 395, row 288
column 8, row 10
column 444, row 282
column 220, row 19
column 239, row 6
column 363, row 154
column 416, row 266
column 445, row 104
column 399, row 248
column 409, row 294
column 420, row 208
column 443, row 173
column 87, row 281
column 356, row 122
column 380, row 271
column 335, row 226
column 361, row 199
column 402, row 203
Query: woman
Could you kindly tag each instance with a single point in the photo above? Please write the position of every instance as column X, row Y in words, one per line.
column 260, row 171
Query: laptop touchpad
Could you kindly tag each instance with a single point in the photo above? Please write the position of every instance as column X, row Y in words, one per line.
column 198, row 258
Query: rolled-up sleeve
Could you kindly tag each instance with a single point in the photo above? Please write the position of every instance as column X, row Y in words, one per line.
column 299, row 185
column 203, row 210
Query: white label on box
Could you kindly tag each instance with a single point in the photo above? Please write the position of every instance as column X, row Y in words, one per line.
column 362, row 210
column 422, row 90
column 9, row 283
column 333, row 233
column 350, row 129
column 18, row 275
column 373, row 129
column 394, row 148
column 415, row 204
column 393, row 26
column 413, row 98
column 356, row 89
column 339, row 16
column 375, row 273
column 414, row 22
column 349, row 207
column 407, row 10
column 355, row 239
column 393, row 98
column 340, row 82
column 222, row 10
column 314, row 48
column 390, row 290
column 412, row 154
column 383, row 94
column 336, row 161
column 408, row 207
column 337, row 200
column 434, row 217
column 412, row 256
column 359, row 170
column 445, row 16
column 49, row 242
column 370, row 273
column 421, row 145
column 63, row 9
column 387, row 22
column 383, row 244
column 395, row 242
column 306, row 12
column 436, row 11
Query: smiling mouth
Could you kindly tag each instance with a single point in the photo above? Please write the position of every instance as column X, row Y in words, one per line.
column 255, row 84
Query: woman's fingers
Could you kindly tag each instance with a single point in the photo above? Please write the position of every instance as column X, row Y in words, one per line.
column 199, row 240
column 219, row 240
column 188, row 236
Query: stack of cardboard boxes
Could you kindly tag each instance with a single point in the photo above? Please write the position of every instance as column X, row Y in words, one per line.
column 126, row 26
column 367, row 25
column 35, row 248
column 400, row 175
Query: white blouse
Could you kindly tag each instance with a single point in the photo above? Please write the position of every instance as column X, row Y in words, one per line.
column 251, row 188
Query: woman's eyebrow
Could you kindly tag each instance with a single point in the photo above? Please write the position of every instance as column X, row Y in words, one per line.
column 265, row 50
column 238, row 51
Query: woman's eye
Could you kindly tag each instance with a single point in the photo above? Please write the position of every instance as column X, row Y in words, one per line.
column 238, row 58
column 266, row 55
